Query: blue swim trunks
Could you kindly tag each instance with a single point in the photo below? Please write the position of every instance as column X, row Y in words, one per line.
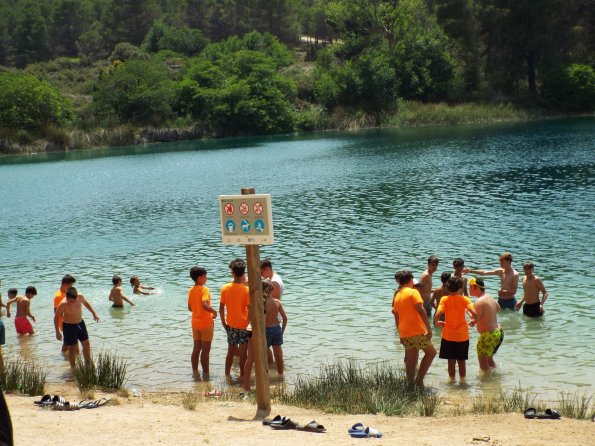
column 507, row 303
column 274, row 335
column 2, row 333
column 74, row 332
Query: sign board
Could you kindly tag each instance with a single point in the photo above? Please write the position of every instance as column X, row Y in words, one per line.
column 246, row 219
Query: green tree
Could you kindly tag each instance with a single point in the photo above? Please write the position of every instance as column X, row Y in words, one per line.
column 30, row 35
column 570, row 88
column 70, row 19
column 136, row 91
column 30, row 104
column 182, row 40
column 130, row 20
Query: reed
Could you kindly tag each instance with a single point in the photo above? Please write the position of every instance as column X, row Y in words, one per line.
column 24, row 377
column 85, row 375
column 349, row 387
column 107, row 371
column 516, row 400
column 576, row 405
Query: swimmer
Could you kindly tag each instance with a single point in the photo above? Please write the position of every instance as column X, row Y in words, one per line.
column 116, row 296
column 490, row 333
column 532, row 286
column 509, row 280
column 23, row 303
column 137, row 288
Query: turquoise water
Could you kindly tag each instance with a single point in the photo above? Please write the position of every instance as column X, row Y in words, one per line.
column 349, row 210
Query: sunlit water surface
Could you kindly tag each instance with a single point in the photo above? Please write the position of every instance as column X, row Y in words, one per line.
column 349, row 210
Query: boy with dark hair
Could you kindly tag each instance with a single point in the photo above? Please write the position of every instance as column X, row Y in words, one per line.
column 425, row 283
column 458, row 265
column 67, row 282
column 413, row 326
column 532, row 286
column 455, row 332
column 137, row 288
column 509, row 280
column 116, row 295
column 73, row 325
column 23, row 303
column 440, row 292
column 490, row 333
column 203, row 326
column 235, row 298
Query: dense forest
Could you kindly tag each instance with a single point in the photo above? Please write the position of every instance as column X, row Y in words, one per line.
column 238, row 67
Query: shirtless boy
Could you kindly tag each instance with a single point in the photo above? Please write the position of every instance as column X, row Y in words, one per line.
column 490, row 333
column 67, row 282
column 2, row 337
column 116, row 295
column 458, row 265
column 440, row 292
column 23, row 303
column 73, row 325
column 509, row 280
column 425, row 283
column 137, row 288
column 532, row 286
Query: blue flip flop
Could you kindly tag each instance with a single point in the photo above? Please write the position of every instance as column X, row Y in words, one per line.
column 357, row 427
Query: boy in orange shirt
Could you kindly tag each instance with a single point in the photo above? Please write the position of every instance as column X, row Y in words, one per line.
column 413, row 326
column 455, row 332
column 203, row 315
column 235, row 297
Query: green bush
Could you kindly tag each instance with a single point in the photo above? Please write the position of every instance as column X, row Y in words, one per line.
column 569, row 88
column 30, row 104
column 107, row 372
column 182, row 40
column 22, row 376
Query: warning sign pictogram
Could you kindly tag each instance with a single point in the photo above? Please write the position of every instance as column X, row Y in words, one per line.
column 244, row 209
column 246, row 219
column 229, row 208
column 257, row 208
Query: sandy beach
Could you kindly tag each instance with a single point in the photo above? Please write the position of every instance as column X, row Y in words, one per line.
column 160, row 418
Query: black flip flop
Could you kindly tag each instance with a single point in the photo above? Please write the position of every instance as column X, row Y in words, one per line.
column 284, row 425
column 312, row 426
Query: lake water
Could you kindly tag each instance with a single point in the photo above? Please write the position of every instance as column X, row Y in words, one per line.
column 349, row 210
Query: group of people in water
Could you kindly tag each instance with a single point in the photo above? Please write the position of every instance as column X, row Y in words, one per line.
column 412, row 307
column 413, row 302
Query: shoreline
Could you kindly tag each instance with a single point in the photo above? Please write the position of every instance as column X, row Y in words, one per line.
column 159, row 417
column 143, row 136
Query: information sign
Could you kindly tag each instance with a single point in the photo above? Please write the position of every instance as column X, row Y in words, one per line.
column 246, row 219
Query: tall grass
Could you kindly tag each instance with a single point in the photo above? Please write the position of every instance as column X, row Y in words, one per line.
column 516, row 400
column 107, row 371
column 347, row 387
column 412, row 114
column 576, row 405
column 24, row 377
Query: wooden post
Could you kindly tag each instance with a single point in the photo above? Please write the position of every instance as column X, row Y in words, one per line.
column 259, row 342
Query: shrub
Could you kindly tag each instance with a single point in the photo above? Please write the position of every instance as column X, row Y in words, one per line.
column 569, row 88
column 23, row 376
column 106, row 372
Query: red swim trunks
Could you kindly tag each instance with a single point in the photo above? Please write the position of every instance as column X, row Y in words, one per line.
column 23, row 325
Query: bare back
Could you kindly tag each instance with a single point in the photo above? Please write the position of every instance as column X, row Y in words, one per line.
column 531, row 288
column 72, row 310
column 509, row 282
column 23, row 305
column 271, row 308
column 115, row 296
column 487, row 313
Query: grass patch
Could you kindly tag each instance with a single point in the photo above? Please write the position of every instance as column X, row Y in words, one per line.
column 348, row 387
column 190, row 400
column 516, row 400
column 107, row 371
column 576, row 405
column 24, row 377
column 413, row 114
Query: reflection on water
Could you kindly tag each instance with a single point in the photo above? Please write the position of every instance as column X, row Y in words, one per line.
column 349, row 210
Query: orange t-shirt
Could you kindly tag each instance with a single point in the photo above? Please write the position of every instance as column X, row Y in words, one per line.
column 236, row 298
column 58, row 297
column 410, row 322
column 201, row 318
column 455, row 324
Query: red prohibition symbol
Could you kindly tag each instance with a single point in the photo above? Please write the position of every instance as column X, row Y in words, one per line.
column 229, row 208
column 258, row 208
column 244, row 209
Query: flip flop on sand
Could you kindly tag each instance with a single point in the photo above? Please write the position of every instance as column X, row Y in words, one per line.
column 550, row 414
column 359, row 431
column 278, row 419
column 284, row 425
column 357, row 427
column 312, row 426
column 66, row 406
column 46, row 400
column 94, row 404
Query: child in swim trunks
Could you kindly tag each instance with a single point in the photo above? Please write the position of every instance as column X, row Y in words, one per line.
column 235, row 298
column 491, row 334
column 413, row 326
column 454, row 345
column 509, row 280
column 73, row 325
column 67, row 282
column 23, row 303
column 2, row 337
column 116, row 295
column 532, row 286
column 203, row 315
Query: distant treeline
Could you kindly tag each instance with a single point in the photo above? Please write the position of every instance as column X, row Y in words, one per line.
column 234, row 67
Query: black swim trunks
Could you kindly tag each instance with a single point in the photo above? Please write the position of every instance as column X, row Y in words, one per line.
column 454, row 350
column 74, row 332
column 532, row 310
